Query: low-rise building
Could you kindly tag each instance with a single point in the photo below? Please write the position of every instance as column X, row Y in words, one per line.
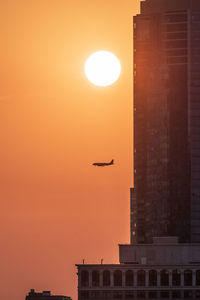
column 45, row 295
column 164, row 269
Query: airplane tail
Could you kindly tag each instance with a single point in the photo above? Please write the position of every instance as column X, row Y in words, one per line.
column 112, row 162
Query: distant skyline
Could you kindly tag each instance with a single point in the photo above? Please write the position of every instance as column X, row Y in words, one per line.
column 56, row 208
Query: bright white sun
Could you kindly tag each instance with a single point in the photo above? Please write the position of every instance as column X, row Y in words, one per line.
column 102, row 68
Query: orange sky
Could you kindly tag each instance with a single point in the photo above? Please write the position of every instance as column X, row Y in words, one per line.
column 55, row 207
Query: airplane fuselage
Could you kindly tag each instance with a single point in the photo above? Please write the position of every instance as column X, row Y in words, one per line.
column 104, row 164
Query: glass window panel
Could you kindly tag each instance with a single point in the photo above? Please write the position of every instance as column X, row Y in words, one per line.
column 177, row 27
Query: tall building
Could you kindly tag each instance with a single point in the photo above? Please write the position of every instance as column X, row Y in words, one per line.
column 163, row 259
column 166, row 121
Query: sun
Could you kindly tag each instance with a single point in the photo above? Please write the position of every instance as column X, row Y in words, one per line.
column 102, row 68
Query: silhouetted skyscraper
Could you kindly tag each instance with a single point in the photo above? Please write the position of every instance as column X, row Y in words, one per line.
column 166, row 196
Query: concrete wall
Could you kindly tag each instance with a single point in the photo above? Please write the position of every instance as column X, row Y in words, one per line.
column 160, row 254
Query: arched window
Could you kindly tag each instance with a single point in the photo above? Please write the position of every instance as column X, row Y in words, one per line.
column 106, row 278
column 84, row 278
column 152, row 278
column 176, row 277
column 164, row 278
column 141, row 278
column 188, row 278
column 129, row 278
column 117, row 278
column 95, row 278
column 198, row 277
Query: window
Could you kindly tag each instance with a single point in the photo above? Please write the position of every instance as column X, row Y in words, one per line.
column 198, row 277
column 84, row 295
column 164, row 294
column 195, row 58
column 176, row 35
column 188, row 294
column 164, row 278
column 141, row 278
column 95, row 278
column 107, row 295
column 187, row 277
column 117, row 295
column 197, row 294
column 152, row 295
column 176, row 44
column 176, row 278
column 143, row 30
column 176, row 18
column 152, row 278
column 129, row 295
column 195, row 52
column 176, row 27
column 141, row 295
column 84, row 278
column 95, row 295
column 129, row 278
column 195, row 82
column 177, row 60
column 176, row 294
column 195, row 26
column 117, row 278
column 176, row 52
column 106, row 278
column 196, row 17
column 195, row 43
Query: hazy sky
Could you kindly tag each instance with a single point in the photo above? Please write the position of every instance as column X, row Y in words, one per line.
column 55, row 207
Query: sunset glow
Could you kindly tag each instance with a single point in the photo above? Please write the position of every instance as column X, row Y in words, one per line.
column 56, row 208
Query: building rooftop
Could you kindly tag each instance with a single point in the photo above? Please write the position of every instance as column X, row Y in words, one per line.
column 158, row 6
column 45, row 295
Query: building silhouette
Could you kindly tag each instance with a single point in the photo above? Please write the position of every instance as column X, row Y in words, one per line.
column 167, row 121
column 162, row 260
column 45, row 295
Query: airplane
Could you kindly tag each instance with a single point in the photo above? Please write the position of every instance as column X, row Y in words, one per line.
column 104, row 164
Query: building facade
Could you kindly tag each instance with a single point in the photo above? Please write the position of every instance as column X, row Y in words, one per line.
column 164, row 269
column 140, row 282
column 167, row 120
